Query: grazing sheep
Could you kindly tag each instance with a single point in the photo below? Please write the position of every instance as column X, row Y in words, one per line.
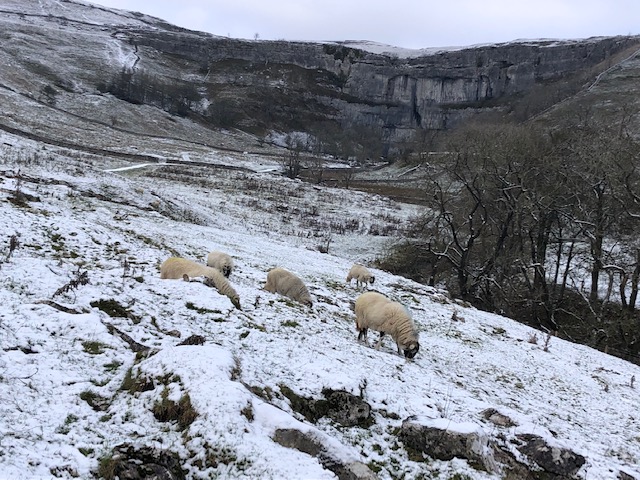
column 286, row 283
column 176, row 267
column 377, row 312
column 221, row 261
column 361, row 274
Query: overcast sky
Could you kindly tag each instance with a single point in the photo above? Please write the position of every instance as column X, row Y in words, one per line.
column 401, row 23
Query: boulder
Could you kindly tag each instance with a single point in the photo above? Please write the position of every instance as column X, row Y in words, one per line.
column 444, row 439
column 313, row 445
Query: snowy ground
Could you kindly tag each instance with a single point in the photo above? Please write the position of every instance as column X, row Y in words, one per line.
column 64, row 400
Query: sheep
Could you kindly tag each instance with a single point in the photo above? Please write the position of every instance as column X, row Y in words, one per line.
column 377, row 312
column 176, row 267
column 221, row 261
column 361, row 274
column 286, row 283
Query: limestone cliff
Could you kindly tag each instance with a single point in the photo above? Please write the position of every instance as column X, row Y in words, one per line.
column 347, row 84
column 61, row 51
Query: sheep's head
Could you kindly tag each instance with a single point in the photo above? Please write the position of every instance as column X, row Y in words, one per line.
column 236, row 302
column 411, row 350
column 226, row 271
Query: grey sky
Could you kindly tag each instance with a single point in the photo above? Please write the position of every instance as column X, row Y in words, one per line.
column 401, row 23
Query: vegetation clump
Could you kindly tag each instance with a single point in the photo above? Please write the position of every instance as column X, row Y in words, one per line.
column 114, row 309
column 181, row 412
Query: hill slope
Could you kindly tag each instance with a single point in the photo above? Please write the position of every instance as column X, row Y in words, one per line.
column 93, row 372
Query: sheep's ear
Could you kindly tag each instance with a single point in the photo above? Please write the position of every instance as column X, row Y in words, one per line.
column 185, row 277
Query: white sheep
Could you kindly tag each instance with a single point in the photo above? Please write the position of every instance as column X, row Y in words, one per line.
column 377, row 312
column 221, row 261
column 361, row 274
column 176, row 267
column 286, row 283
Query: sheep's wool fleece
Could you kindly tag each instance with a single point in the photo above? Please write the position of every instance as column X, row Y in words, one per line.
column 288, row 284
column 176, row 267
column 377, row 312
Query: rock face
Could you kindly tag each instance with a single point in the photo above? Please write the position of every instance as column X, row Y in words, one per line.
column 308, row 443
column 340, row 406
column 131, row 463
column 445, row 440
column 434, row 90
column 557, row 461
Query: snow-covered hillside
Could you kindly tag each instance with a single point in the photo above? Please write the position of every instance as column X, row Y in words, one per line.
column 91, row 357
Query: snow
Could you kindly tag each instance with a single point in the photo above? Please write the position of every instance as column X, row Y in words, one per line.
column 400, row 52
column 91, row 219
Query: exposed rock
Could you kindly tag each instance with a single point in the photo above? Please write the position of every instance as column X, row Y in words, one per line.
column 435, row 90
column 144, row 463
column 271, row 84
column 193, row 340
column 444, row 440
column 347, row 409
column 497, row 418
column 555, row 460
column 625, row 476
column 341, row 406
column 309, row 443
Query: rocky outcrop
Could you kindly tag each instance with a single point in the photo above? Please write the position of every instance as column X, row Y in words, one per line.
column 340, row 406
column 279, row 85
column 557, row 461
column 535, row 458
column 310, row 444
column 128, row 462
column 434, row 90
column 445, row 440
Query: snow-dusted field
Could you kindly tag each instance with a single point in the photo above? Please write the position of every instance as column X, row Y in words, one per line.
column 67, row 367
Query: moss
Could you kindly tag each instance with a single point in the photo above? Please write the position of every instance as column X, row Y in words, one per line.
column 202, row 310
column 247, row 411
column 93, row 347
column 374, row 466
column 113, row 366
column 414, row 455
column 310, row 408
column 133, row 384
column 256, row 326
column 86, row 451
column 377, row 448
column 95, row 401
column 265, row 393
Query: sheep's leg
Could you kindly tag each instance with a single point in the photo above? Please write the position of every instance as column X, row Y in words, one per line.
column 362, row 335
column 377, row 347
